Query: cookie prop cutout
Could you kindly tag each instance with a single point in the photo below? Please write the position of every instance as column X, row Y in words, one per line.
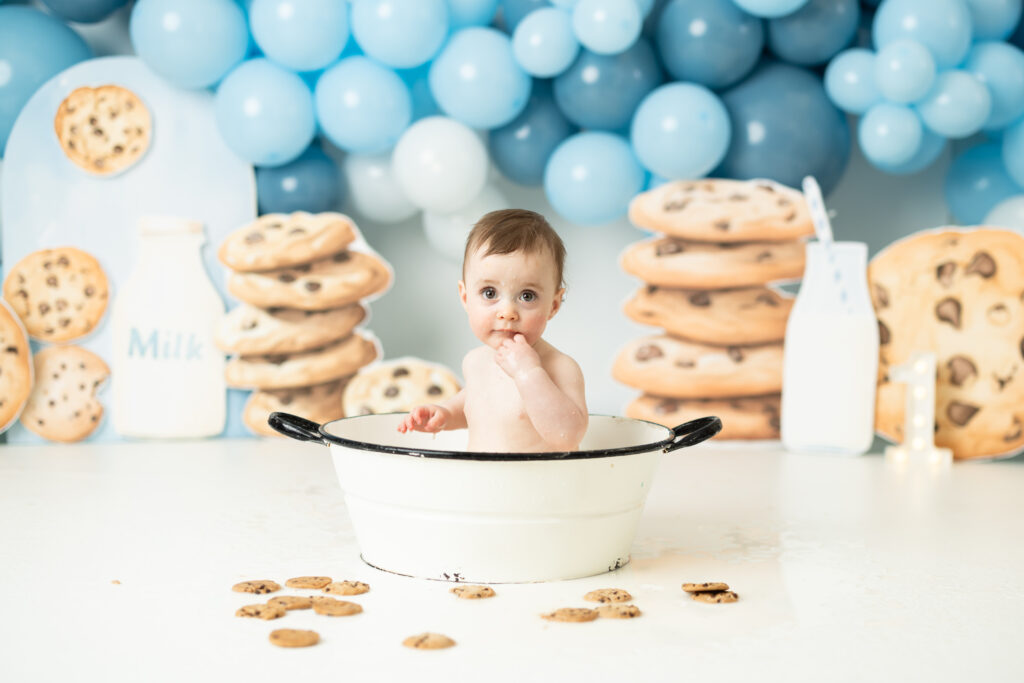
column 320, row 403
column 708, row 278
column 398, row 385
column 958, row 293
column 63, row 405
column 277, row 240
column 103, row 130
column 16, row 368
column 59, row 294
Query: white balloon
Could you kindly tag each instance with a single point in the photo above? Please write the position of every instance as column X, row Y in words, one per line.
column 446, row 232
column 374, row 192
column 440, row 164
column 1008, row 213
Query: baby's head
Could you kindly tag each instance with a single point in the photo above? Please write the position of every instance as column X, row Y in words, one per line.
column 511, row 275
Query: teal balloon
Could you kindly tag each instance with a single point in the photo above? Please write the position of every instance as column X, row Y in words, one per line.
column 514, row 11
column 929, row 149
column 1000, row 66
column 1013, row 151
column 977, row 180
column 591, row 178
column 607, row 27
column 362, row 106
column 943, row 26
column 889, row 134
column 84, row 11
column 904, row 71
column 310, row 183
column 544, row 43
column 850, row 80
column 521, row 149
column 994, row 19
column 770, row 9
column 814, row 33
column 463, row 13
column 957, row 106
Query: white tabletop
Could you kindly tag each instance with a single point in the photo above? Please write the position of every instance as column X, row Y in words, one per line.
column 847, row 570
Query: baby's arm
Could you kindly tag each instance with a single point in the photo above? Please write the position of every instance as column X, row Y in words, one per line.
column 434, row 417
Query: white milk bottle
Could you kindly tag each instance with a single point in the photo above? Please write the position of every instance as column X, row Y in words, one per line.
column 168, row 375
column 831, row 355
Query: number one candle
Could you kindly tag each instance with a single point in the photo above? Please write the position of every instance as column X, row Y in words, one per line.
column 918, row 445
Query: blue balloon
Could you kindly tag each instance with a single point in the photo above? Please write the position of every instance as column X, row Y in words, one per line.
column 850, row 80
column 603, row 91
column 957, row 105
column 1000, row 66
column 976, row 181
column 681, row 130
column 770, row 9
column 362, row 106
column 1013, row 151
column 814, row 33
column 889, row 134
column 33, row 48
column 904, row 71
column 943, row 26
column 463, row 13
column 265, row 113
column 303, row 36
column 994, row 19
column 544, row 43
column 476, row 79
column 785, row 128
column 607, row 27
column 400, row 33
column 310, row 183
column 191, row 43
column 928, row 151
column 521, row 149
column 514, row 11
column 591, row 178
column 711, row 42
column 84, row 11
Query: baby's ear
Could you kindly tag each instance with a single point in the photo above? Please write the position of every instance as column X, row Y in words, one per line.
column 462, row 293
column 557, row 303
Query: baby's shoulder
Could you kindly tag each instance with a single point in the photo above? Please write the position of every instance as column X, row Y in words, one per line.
column 476, row 358
column 553, row 359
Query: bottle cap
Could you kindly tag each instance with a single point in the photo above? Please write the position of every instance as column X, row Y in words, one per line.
column 169, row 225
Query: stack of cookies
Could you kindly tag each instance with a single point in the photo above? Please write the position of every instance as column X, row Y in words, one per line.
column 718, row 244
column 303, row 280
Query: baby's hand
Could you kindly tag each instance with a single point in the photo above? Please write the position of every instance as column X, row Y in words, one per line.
column 515, row 356
column 429, row 418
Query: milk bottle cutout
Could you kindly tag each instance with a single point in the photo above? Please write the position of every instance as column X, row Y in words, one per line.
column 167, row 375
column 831, row 351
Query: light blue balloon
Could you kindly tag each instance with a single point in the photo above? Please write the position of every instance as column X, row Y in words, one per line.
column 400, row 33
column 942, row 26
column 418, row 82
column 463, row 13
column 521, row 149
column 477, row 80
column 34, row 47
column 591, row 178
column 303, row 36
column 362, row 106
column 310, row 183
column 514, row 11
column 1000, row 66
column 544, row 43
column 607, row 27
column 928, row 151
column 191, row 43
column 850, row 80
column 681, row 130
column 1013, row 151
column 889, row 134
column 976, row 181
column 711, row 42
column 814, row 33
column 994, row 19
column 904, row 71
column 957, row 105
column 265, row 113
column 770, row 9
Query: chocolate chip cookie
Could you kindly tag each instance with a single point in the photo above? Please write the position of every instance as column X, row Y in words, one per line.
column 63, row 405
column 290, row 637
column 743, row 418
column 959, row 294
column 571, row 614
column 286, row 370
column 248, row 331
column 103, row 130
column 398, row 385
column 428, row 641
column 278, row 240
column 320, row 403
column 15, row 366
column 719, row 210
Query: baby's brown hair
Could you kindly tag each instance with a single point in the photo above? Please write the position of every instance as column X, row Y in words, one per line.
column 510, row 230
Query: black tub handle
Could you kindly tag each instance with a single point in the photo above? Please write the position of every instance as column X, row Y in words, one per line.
column 295, row 427
column 694, row 431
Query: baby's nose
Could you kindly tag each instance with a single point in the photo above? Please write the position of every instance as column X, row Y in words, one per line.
column 508, row 313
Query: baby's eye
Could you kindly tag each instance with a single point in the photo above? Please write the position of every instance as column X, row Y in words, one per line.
column 489, row 293
column 528, row 296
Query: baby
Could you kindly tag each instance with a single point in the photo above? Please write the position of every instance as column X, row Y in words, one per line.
column 522, row 395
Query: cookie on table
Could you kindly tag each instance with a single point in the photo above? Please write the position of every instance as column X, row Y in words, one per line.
column 571, row 614
column 63, row 404
column 743, row 418
column 103, row 130
column 316, row 582
column 288, row 370
column 398, row 385
column 720, row 210
column 261, row 611
column 706, row 587
column 715, row 597
column 674, row 368
column 672, row 262
column 959, row 294
column 618, row 611
column 290, row 637
column 256, row 586
column 290, row 602
column 320, row 403
column 608, row 595
column 15, row 366
column 338, row 280
column 346, row 588
column 332, row 607
column 278, row 240
column 428, row 641
column 753, row 315
column 60, row 294
column 473, row 592
column 247, row 330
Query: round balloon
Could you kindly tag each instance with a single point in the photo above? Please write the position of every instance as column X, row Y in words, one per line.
column 1008, row 213
column 463, row 13
column 814, row 33
column 303, row 36
column 850, row 80
column 928, row 151
column 362, row 106
column 994, row 19
column 943, row 26
column 591, row 178
column 889, row 134
column 418, row 82
column 84, row 11
column 373, row 189
column 544, row 43
column 514, row 11
column 440, row 164
column 446, row 232
column 34, row 47
column 192, row 43
column 521, row 149
column 606, row 27
column 785, row 128
column 711, row 42
column 957, row 105
column 1000, row 66
column 976, row 181
column 400, row 33
column 770, row 9
column 904, row 71
column 310, row 183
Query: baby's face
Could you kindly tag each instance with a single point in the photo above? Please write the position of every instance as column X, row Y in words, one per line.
column 509, row 294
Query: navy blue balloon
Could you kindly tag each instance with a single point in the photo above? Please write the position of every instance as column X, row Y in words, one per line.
column 711, row 42
column 84, row 11
column 784, row 128
column 513, row 11
column 521, row 149
column 816, row 32
column 603, row 91
column 310, row 183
